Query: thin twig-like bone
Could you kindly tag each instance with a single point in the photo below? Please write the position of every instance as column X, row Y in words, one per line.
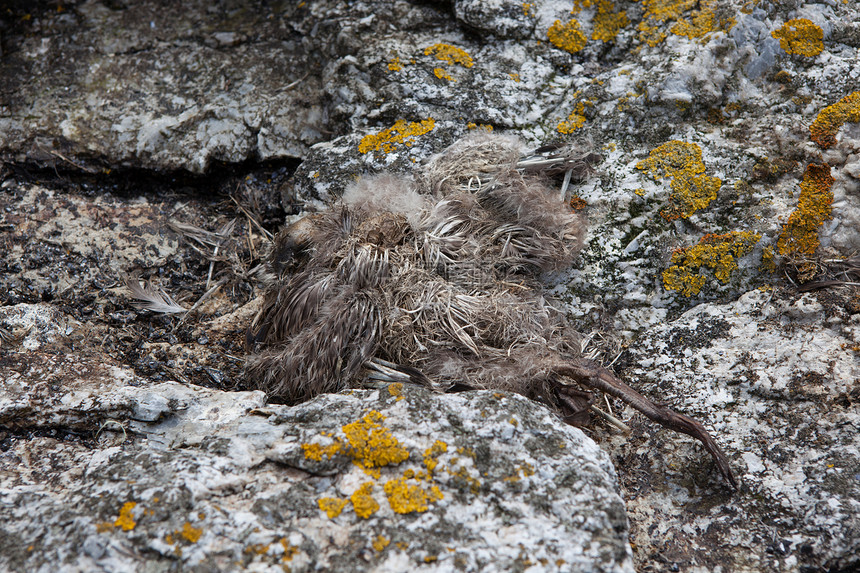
column 599, row 378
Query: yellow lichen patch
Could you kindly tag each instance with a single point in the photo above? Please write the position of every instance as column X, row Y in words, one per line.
column 443, row 74
column 289, row 550
column 253, row 549
column 126, row 519
column 700, row 22
column 400, row 132
column 432, row 453
column 450, row 54
column 825, row 127
column 525, row 468
column 719, row 253
column 381, row 542
column 800, row 36
column 576, row 119
column 485, row 126
column 362, row 502
column 190, row 533
column 395, row 65
column 315, row 452
column 396, row 390
column 372, row 445
column 768, row 262
column 682, row 163
column 463, row 475
column 528, row 8
column 332, row 506
column 608, row 21
column 568, row 37
column 406, row 498
column 800, row 234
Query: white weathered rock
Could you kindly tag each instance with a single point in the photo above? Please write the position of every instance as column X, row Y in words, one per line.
column 105, row 85
column 778, row 384
column 213, row 480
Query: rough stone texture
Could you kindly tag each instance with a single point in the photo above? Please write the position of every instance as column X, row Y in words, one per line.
column 95, row 95
column 144, row 86
column 183, row 476
column 778, row 379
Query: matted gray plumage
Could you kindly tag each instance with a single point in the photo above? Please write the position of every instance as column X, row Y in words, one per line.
column 433, row 279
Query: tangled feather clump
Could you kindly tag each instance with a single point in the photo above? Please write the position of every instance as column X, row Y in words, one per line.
column 435, row 279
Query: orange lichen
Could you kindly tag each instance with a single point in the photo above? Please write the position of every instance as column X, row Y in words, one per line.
column 362, row 502
column 463, row 476
column 825, row 127
column 395, row 65
column 568, row 37
column 608, row 22
column 800, row 234
column 527, row 471
column 190, row 533
column 443, row 74
column 800, row 36
column 701, row 21
column 576, row 119
column 315, row 452
column 289, row 550
column 400, row 132
column 577, row 203
column 450, row 54
column 719, row 253
column 126, row 519
column 253, row 549
column 372, row 445
column 381, row 542
column 396, row 390
column 432, row 453
column 485, row 126
column 332, row 506
column 691, row 188
column 406, row 498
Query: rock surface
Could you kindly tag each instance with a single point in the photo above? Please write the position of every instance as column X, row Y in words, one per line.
column 392, row 479
column 731, row 174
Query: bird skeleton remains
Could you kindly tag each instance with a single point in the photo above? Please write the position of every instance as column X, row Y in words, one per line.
column 433, row 279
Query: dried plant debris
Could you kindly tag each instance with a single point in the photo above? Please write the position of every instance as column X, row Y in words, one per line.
column 434, row 280
column 151, row 297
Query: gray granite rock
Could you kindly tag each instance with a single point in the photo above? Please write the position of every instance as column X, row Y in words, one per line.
column 165, row 476
column 98, row 92
column 778, row 379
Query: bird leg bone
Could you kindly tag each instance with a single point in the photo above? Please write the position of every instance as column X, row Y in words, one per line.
column 597, row 377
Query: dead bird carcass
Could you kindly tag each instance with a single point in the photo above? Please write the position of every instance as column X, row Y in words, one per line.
column 434, row 280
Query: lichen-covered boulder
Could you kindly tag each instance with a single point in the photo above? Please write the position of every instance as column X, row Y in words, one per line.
column 777, row 379
column 159, row 477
